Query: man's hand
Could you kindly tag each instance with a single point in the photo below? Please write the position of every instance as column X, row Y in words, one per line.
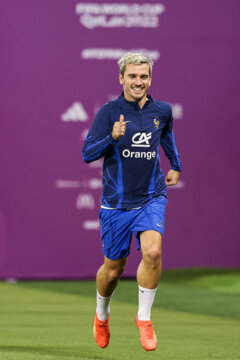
column 119, row 128
column 172, row 177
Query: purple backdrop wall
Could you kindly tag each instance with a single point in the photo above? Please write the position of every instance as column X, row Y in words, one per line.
column 58, row 65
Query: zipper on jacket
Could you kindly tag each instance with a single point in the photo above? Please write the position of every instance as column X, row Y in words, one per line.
column 141, row 119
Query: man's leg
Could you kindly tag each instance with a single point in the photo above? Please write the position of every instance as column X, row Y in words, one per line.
column 148, row 275
column 150, row 268
column 107, row 279
column 108, row 275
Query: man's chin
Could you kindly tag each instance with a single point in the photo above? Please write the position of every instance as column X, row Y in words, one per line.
column 137, row 97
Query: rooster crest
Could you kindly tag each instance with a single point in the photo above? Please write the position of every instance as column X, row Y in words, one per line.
column 156, row 122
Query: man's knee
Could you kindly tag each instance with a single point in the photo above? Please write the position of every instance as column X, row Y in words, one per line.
column 152, row 257
column 113, row 274
column 114, row 269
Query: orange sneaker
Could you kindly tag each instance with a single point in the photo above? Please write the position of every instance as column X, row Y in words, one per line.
column 148, row 337
column 101, row 332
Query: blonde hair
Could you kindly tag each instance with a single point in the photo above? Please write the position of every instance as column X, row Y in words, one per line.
column 133, row 58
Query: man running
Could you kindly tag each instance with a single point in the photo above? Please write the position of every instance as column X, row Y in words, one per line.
column 127, row 132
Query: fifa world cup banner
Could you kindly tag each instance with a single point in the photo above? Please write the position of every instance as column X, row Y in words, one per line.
column 58, row 67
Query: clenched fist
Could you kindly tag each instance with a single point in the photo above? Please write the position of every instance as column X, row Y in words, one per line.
column 119, row 128
column 172, row 177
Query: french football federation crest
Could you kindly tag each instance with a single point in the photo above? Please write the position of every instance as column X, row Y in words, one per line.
column 156, row 122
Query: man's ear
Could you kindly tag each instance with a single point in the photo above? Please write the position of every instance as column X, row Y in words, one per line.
column 121, row 79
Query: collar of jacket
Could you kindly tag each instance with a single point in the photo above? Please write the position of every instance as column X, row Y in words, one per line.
column 134, row 103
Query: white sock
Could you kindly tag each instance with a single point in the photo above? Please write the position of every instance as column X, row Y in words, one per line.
column 145, row 301
column 103, row 306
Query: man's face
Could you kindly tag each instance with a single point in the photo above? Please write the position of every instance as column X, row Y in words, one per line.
column 136, row 81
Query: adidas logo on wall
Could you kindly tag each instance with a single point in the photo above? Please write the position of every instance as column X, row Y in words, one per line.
column 76, row 112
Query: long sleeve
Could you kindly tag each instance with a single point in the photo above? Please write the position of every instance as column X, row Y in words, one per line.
column 168, row 144
column 99, row 139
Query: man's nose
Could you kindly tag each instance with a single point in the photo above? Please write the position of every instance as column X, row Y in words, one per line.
column 138, row 81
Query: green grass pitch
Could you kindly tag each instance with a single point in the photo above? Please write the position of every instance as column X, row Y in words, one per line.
column 196, row 316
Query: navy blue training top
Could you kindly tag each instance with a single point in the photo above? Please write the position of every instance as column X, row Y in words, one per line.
column 131, row 169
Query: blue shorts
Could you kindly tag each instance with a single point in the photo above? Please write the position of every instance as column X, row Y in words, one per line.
column 117, row 226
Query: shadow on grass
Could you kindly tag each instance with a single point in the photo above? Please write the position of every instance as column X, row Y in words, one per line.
column 177, row 292
column 80, row 353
